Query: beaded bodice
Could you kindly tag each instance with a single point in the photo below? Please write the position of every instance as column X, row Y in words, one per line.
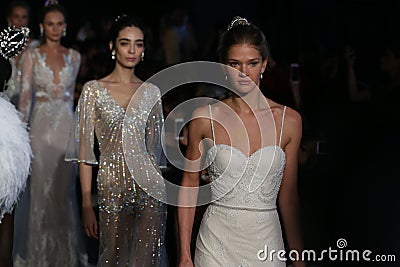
column 238, row 181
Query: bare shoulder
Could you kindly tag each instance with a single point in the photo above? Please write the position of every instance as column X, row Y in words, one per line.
column 293, row 125
column 202, row 112
column 200, row 121
column 293, row 117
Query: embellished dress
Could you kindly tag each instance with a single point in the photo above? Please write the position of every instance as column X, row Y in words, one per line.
column 130, row 186
column 241, row 226
column 51, row 215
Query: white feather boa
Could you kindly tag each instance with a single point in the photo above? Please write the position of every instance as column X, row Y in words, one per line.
column 15, row 156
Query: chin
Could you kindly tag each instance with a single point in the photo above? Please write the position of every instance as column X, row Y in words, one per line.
column 245, row 89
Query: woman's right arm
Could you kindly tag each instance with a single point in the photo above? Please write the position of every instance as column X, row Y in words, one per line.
column 89, row 220
column 25, row 99
column 81, row 149
column 189, row 189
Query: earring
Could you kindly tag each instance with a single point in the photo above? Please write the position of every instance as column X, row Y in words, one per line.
column 142, row 56
column 113, row 54
column 64, row 32
column 41, row 31
column 261, row 76
column 226, row 77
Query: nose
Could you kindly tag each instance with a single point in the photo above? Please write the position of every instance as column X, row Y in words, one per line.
column 132, row 49
column 243, row 71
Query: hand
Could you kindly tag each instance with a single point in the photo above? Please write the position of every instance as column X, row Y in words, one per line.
column 89, row 222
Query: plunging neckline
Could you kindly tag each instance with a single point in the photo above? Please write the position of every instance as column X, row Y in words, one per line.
column 43, row 57
column 112, row 97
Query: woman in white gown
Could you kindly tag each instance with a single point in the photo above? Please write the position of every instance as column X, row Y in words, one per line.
column 49, row 71
column 252, row 161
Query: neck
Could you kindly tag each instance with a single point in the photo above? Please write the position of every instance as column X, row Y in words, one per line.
column 124, row 75
column 254, row 100
column 52, row 44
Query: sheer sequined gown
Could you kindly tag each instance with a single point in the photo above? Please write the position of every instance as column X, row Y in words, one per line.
column 132, row 223
column 54, row 231
column 242, row 219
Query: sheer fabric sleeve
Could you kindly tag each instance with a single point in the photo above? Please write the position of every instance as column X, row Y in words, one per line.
column 81, row 142
column 26, row 85
column 76, row 63
column 154, row 130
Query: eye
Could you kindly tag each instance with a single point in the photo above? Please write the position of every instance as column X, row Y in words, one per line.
column 254, row 63
column 233, row 64
column 140, row 45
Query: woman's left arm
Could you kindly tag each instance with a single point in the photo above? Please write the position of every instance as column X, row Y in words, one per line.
column 288, row 199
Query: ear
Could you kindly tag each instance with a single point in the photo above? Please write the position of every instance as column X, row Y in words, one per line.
column 110, row 44
column 264, row 65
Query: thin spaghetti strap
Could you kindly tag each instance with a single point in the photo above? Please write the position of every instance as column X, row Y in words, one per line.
column 212, row 124
column 283, row 119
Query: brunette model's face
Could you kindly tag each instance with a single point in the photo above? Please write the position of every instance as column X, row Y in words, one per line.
column 247, row 64
column 53, row 25
column 129, row 46
column 19, row 17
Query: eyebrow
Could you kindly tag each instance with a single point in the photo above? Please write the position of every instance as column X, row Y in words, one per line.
column 252, row 59
column 126, row 39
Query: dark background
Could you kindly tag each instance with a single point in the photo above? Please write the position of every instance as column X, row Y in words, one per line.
column 353, row 192
column 365, row 24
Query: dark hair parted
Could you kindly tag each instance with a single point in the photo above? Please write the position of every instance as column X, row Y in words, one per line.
column 242, row 33
column 52, row 8
column 120, row 23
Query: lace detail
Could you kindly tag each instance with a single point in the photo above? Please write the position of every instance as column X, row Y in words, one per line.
column 38, row 80
column 55, row 236
column 251, row 182
column 242, row 219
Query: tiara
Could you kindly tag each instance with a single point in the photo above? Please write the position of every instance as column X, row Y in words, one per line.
column 50, row 2
column 238, row 21
column 13, row 40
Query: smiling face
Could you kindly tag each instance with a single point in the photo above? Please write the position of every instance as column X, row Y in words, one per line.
column 53, row 25
column 246, row 67
column 129, row 46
